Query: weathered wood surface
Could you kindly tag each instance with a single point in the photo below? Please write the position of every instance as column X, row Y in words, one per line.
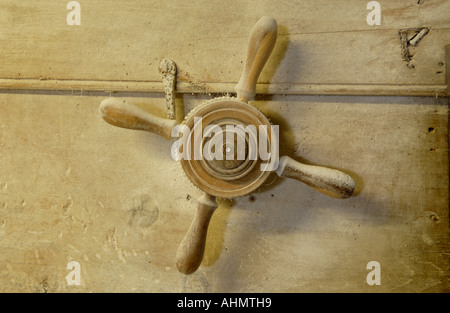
column 73, row 187
column 323, row 47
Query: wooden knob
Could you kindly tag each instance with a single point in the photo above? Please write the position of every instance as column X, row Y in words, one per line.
column 121, row 113
column 224, row 178
column 191, row 250
column 261, row 43
column 326, row 180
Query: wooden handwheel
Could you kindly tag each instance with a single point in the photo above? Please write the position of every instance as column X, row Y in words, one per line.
column 229, row 177
column 234, row 170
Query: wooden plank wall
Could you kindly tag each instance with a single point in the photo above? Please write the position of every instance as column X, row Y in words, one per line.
column 323, row 47
column 74, row 188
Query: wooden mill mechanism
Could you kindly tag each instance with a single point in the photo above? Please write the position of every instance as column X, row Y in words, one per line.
column 226, row 177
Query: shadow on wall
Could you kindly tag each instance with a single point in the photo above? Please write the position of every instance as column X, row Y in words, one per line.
column 274, row 61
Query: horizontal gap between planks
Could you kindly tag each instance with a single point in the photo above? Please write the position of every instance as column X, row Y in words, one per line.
column 185, row 87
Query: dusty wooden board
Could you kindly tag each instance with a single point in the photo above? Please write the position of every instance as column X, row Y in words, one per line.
column 323, row 47
column 75, row 188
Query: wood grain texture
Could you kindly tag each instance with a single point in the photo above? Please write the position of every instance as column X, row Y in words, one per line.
column 192, row 247
column 260, row 45
column 122, row 113
column 318, row 43
column 326, row 180
column 74, row 188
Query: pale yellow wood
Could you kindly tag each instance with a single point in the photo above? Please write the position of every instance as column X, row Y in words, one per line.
column 326, row 180
column 80, row 86
column 192, row 247
column 260, row 45
column 318, row 42
column 122, row 113
column 74, row 188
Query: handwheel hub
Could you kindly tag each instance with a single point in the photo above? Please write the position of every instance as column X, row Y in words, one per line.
column 232, row 128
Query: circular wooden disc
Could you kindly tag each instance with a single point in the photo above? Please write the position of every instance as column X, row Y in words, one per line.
column 235, row 124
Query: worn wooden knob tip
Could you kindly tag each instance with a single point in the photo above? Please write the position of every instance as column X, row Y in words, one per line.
column 123, row 114
column 326, row 180
column 262, row 40
column 191, row 250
